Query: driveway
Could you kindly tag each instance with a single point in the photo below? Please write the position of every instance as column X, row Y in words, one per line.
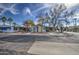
column 38, row 43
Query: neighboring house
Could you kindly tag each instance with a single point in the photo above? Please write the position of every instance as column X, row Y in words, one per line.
column 6, row 28
column 73, row 28
column 38, row 28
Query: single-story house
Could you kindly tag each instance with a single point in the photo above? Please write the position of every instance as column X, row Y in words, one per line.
column 6, row 28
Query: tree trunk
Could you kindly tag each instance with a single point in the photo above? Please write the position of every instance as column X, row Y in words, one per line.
column 61, row 28
column 3, row 23
column 66, row 27
column 75, row 28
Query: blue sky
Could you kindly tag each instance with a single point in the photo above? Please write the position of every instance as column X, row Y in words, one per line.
column 21, row 12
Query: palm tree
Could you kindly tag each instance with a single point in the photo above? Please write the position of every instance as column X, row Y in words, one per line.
column 10, row 20
column 4, row 19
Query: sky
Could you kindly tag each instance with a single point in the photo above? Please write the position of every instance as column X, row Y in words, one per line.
column 21, row 12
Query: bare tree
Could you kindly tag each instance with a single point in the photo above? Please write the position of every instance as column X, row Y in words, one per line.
column 56, row 11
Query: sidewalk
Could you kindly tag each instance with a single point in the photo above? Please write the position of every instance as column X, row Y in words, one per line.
column 75, row 33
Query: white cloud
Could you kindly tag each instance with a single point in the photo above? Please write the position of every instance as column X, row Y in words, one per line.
column 45, row 5
column 8, row 8
column 27, row 11
column 13, row 10
column 39, row 9
column 36, row 21
column 70, row 4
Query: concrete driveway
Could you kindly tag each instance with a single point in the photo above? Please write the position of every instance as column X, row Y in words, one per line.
column 58, row 44
column 53, row 48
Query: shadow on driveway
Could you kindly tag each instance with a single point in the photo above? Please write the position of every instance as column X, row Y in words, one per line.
column 32, row 38
column 24, row 38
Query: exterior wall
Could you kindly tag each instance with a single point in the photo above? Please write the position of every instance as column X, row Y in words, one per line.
column 6, row 29
column 36, row 29
column 39, row 29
